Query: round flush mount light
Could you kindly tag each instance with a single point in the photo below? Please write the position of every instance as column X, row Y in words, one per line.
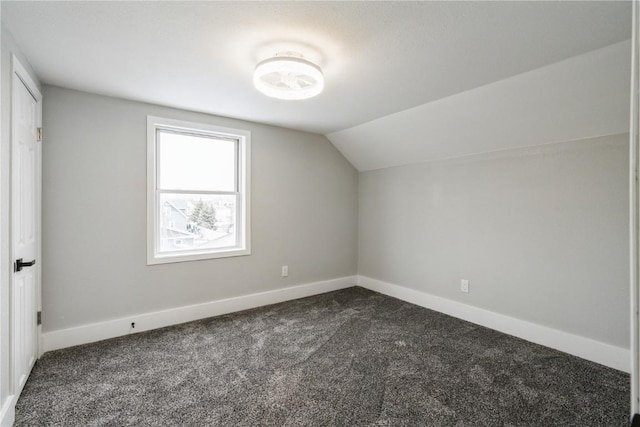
column 288, row 76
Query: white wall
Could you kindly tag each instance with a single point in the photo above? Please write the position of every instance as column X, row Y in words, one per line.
column 8, row 48
column 541, row 233
column 304, row 214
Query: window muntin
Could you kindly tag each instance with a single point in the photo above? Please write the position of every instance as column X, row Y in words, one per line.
column 198, row 191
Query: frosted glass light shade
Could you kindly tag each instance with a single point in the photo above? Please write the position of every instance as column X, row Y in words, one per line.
column 288, row 78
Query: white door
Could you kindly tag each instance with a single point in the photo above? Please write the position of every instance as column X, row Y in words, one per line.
column 25, row 224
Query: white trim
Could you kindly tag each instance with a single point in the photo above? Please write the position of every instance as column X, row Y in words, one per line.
column 22, row 73
column 8, row 411
column 586, row 348
column 146, row 321
column 634, row 213
column 243, row 213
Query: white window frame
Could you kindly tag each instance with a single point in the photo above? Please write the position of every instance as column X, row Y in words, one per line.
column 243, row 226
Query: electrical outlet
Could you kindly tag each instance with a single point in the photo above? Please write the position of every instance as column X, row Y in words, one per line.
column 285, row 270
column 464, row 286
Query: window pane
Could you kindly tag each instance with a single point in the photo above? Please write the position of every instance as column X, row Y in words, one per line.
column 192, row 222
column 190, row 162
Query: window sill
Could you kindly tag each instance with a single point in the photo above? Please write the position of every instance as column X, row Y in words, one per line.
column 198, row 256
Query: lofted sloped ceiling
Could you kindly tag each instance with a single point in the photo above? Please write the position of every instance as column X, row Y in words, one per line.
column 405, row 81
column 578, row 98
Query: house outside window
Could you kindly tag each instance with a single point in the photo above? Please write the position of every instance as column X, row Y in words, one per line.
column 197, row 191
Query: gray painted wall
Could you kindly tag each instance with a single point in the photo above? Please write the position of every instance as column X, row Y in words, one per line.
column 541, row 233
column 304, row 214
column 8, row 48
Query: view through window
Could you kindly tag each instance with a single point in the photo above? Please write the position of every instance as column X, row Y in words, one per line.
column 200, row 191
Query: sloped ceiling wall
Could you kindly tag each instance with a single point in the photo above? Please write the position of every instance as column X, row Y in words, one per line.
column 580, row 97
column 379, row 58
column 406, row 82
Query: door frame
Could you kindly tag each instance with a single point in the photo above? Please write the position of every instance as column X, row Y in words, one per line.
column 19, row 74
column 634, row 217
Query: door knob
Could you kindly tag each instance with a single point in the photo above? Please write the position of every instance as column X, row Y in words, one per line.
column 19, row 264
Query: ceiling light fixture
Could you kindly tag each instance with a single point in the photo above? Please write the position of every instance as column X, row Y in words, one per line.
column 288, row 76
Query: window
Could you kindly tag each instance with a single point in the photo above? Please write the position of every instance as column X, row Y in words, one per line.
column 197, row 191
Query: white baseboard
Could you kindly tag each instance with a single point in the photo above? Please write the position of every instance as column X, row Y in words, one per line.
column 143, row 322
column 586, row 348
column 8, row 412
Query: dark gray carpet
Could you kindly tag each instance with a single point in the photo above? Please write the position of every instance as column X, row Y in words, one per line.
column 346, row 358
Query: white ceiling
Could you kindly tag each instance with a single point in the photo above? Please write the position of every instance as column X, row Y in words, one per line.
column 581, row 97
column 379, row 58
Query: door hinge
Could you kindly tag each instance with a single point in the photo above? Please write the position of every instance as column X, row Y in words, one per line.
column 39, row 133
column 39, row 318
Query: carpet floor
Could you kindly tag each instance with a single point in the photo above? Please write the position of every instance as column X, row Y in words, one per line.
column 346, row 358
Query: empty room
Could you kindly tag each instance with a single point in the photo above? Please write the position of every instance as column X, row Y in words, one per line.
column 315, row 213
